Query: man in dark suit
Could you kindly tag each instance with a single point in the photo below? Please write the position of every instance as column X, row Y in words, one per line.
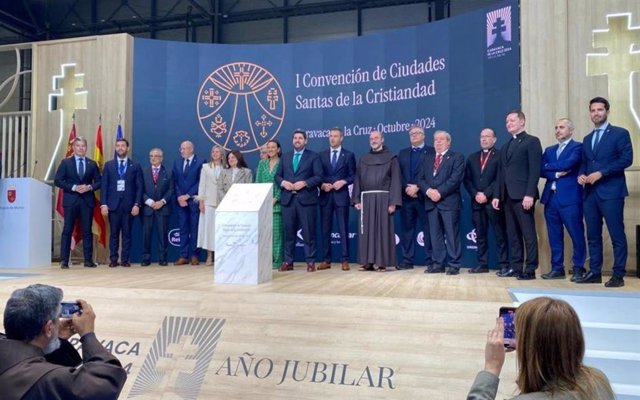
column 562, row 199
column 338, row 170
column 606, row 152
column 299, row 175
column 481, row 181
column 156, row 197
column 186, row 177
column 412, row 213
column 78, row 177
column 439, row 179
column 121, row 197
column 520, row 171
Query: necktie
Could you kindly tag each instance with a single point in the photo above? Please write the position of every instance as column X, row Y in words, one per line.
column 186, row 167
column 296, row 162
column 559, row 151
column 596, row 138
column 121, row 168
column 415, row 149
column 155, row 174
column 81, row 168
column 334, row 159
column 436, row 163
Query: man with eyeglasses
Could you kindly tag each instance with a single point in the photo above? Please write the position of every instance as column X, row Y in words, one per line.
column 156, row 197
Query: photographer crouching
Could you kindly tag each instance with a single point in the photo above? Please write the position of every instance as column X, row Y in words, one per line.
column 37, row 361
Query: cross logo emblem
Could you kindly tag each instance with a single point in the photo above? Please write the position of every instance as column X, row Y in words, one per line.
column 619, row 61
column 68, row 95
column 263, row 122
column 178, row 360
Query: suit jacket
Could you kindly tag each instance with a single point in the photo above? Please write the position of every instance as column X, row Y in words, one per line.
column 404, row 158
column 244, row 175
column 520, row 167
column 186, row 182
column 67, row 177
column 447, row 180
column 345, row 169
column 309, row 170
column 209, row 185
column 162, row 190
column 568, row 191
column 612, row 155
column 132, row 193
column 478, row 180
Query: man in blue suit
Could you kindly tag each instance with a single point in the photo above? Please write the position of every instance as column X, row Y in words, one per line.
column 440, row 179
column 606, row 152
column 562, row 199
column 412, row 212
column 156, row 197
column 121, row 197
column 338, row 170
column 186, row 177
column 299, row 175
column 78, row 177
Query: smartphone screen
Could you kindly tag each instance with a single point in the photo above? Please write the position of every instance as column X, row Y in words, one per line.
column 508, row 315
column 68, row 309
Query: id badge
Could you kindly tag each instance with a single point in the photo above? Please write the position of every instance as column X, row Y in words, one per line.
column 120, row 185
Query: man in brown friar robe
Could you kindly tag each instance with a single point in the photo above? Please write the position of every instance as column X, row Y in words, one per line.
column 34, row 329
column 377, row 192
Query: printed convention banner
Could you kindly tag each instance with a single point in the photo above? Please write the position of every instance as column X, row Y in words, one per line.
column 460, row 75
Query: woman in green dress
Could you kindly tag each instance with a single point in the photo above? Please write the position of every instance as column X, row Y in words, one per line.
column 266, row 174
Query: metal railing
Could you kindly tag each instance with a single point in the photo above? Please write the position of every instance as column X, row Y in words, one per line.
column 15, row 144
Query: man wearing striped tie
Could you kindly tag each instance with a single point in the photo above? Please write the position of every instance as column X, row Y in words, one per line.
column 156, row 199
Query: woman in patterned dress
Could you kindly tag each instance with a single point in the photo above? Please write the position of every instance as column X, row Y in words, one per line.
column 266, row 174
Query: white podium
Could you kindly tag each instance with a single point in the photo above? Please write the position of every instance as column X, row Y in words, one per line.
column 25, row 223
column 244, row 229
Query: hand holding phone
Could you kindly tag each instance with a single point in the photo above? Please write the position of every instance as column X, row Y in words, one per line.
column 508, row 315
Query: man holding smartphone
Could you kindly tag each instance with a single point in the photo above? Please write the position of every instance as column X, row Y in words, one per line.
column 32, row 365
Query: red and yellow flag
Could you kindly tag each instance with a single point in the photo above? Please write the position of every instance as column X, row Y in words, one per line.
column 99, row 227
column 76, row 236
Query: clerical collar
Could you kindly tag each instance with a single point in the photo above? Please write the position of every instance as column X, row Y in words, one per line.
column 517, row 134
column 487, row 150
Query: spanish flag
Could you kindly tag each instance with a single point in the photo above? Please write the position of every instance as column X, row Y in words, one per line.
column 99, row 227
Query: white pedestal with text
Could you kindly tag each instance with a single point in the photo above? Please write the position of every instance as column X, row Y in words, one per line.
column 25, row 223
column 244, row 229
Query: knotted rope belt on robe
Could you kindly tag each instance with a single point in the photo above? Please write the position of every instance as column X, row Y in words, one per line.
column 362, row 206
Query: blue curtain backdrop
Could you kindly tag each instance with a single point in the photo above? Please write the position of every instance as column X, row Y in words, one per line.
column 460, row 74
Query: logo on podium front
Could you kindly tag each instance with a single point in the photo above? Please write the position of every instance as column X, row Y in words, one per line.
column 241, row 106
column 11, row 194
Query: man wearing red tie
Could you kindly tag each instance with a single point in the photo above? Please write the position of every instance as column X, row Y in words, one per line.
column 439, row 179
column 156, row 199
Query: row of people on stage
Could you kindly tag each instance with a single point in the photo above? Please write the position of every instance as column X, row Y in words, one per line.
column 422, row 181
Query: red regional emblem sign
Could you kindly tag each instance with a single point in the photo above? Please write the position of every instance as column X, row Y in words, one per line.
column 11, row 194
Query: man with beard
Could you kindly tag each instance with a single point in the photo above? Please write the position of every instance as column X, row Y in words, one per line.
column 299, row 175
column 121, row 198
column 606, row 153
column 377, row 192
column 33, row 330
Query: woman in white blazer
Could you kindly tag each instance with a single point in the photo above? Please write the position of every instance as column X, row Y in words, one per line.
column 208, row 200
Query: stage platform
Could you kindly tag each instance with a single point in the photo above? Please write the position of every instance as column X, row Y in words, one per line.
column 328, row 334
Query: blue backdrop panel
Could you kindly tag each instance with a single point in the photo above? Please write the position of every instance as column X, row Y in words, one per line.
column 460, row 74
